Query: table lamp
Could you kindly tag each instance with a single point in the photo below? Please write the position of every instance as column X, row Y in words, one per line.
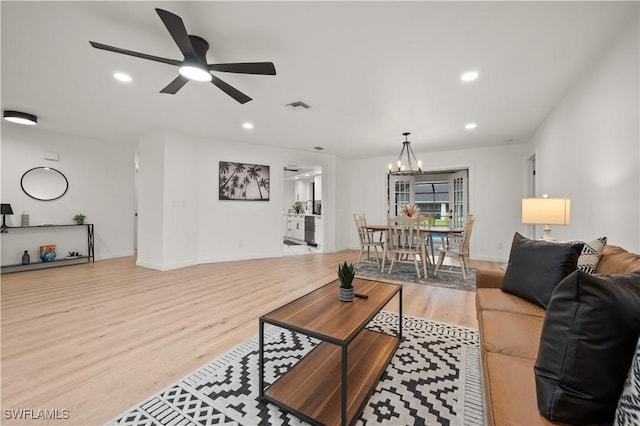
column 546, row 211
column 5, row 209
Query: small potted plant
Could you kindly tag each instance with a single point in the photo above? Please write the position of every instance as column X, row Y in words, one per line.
column 79, row 218
column 346, row 272
column 297, row 206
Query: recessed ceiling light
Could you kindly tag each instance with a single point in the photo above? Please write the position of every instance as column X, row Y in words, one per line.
column 470, row 126
column 247, row 125
column 469, row 76
column 120, row 76
column 21, row 118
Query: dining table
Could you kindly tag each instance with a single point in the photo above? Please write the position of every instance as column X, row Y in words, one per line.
column 430, row 231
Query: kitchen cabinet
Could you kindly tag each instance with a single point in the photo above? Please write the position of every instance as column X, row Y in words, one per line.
column 319, row 235
column 295, row 227
column 302, row 190
column 317, row 188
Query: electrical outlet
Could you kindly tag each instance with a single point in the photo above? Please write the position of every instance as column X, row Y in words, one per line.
column 500, row 246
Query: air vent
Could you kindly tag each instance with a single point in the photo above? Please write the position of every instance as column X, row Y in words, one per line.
column 298, row 106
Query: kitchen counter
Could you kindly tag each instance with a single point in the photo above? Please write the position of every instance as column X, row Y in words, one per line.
column 301, row 214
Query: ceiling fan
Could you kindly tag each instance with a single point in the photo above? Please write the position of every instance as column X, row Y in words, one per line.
column 194, row 65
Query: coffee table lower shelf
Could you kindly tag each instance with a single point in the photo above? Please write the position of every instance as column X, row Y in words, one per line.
column 312, row 389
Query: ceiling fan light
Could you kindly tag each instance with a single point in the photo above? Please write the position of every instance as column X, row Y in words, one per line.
column 20, row 118
column 469, row 76
column 194, row 73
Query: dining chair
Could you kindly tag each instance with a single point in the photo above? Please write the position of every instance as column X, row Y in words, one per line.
column 367, row 238
column 457, row 246
column 405, row 241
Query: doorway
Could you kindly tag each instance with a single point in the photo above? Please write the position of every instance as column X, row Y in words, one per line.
column 443, row 194
column 302, row 231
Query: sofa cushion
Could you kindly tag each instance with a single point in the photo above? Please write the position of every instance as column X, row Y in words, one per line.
column 535, row 268
column 617, row 260
column 588, row 339
column 591, row 254
column 510, row 334
column 494, row 299
column 628, row 411
column 510, row 391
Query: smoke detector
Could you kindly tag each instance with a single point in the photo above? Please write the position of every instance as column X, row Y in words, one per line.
column 298, row 106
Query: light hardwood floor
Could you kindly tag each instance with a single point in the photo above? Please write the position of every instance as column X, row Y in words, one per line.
column 95, row 339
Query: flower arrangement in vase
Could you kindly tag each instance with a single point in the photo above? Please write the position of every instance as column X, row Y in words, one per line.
column 410, row 210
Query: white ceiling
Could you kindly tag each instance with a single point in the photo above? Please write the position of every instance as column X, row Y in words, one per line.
column 369, row 70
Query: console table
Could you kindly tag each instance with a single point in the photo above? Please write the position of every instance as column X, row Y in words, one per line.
column 63, row 261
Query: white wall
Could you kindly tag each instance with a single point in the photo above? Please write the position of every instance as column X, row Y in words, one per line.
column 497, row 177
column 181, row 220
column 589, row 148
column 151, row 201
column 100, row 179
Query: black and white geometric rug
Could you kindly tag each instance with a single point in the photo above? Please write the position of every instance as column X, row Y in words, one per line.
column 405, row 272
column 433, row 379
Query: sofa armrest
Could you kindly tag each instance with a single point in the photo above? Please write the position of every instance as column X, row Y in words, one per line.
column 489, row 278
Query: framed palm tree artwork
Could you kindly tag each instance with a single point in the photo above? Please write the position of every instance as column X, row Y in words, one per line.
column 241, row 181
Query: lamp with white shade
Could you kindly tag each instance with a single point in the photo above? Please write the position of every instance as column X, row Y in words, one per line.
column 546, row 211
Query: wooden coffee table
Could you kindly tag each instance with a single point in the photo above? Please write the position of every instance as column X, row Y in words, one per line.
column 333, row 382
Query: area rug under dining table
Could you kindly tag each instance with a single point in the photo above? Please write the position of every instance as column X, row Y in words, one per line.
column 405, row 272
column 434, row 378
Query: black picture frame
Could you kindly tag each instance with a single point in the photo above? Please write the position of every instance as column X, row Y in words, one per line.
column 243, row 181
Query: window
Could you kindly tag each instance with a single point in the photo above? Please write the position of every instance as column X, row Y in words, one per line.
column 439, row 193
column 432, row 196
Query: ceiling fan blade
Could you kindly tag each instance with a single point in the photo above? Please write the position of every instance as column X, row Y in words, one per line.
column 173, row 87
column 136, row 54
column 265, row 68
column 179, row 33
column 230, row 90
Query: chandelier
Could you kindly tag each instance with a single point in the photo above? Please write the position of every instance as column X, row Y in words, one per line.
column 406, row 160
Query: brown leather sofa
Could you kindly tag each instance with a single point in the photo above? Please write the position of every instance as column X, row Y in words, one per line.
column 510, row 329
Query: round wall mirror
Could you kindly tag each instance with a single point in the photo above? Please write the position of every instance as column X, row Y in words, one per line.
column 44, row 183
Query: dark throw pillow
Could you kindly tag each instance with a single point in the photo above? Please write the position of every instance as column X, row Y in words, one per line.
column 535, row 268
column 588, row 339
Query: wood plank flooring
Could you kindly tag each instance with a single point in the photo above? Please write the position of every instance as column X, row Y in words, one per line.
column 95, row 339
